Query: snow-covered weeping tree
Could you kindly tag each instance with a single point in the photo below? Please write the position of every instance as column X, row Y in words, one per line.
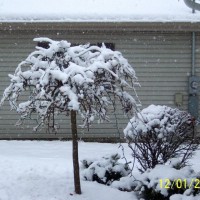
column 67, row 79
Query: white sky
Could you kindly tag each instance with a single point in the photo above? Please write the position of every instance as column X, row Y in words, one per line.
column 97, row 10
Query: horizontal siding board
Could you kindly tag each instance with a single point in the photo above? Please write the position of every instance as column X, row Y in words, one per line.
column 162, row 62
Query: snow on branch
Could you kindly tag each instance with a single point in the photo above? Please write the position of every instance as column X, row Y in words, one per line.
column 62, row 77
column 160, row 133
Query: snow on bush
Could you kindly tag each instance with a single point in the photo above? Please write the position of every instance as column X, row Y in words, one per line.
column 184, row 197
column 163, row 182
column 159, row 133
column 127, row 183
column 105, row 170
column 63, row 77
column 163, row 120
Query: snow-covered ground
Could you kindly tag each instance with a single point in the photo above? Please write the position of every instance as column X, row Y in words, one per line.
column 42, row 170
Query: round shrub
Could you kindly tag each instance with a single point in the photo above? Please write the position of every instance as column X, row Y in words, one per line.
column 159, row 133
column 105, row 170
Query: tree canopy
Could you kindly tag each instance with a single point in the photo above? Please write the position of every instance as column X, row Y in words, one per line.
column 61, row 77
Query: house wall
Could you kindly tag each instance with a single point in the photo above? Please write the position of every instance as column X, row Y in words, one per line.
column 197, row 59
column 161, row 59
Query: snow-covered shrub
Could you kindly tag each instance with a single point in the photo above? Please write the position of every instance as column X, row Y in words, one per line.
column 159, row 133
column 105, row 170
column 164, row 181
column 184, row 197
column 127, row 183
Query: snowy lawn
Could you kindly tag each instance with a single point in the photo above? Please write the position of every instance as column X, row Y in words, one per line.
column 42, row 170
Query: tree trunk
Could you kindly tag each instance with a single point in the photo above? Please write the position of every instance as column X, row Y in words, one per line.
column 77, row 184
